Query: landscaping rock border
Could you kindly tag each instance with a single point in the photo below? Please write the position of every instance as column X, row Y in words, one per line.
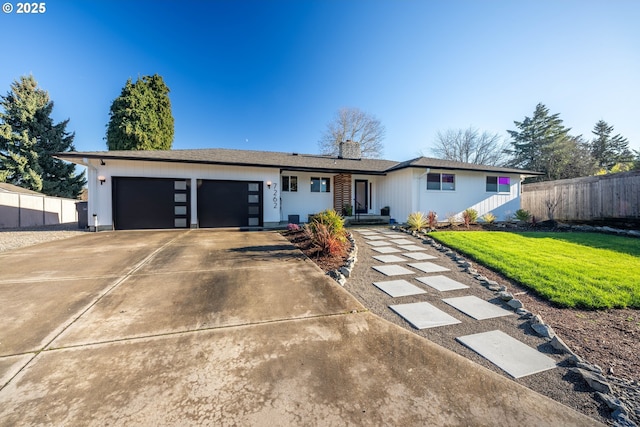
column 592, row 374
column 341, row 274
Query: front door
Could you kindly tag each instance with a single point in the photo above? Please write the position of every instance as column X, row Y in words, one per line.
column 362, row 196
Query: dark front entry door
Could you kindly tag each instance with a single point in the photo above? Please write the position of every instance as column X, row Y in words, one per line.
column 229, row 203
column 362, row 196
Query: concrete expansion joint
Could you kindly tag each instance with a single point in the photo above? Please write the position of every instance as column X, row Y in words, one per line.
column 91, row 304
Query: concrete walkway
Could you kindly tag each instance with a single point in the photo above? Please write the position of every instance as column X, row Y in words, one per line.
column 222, row 328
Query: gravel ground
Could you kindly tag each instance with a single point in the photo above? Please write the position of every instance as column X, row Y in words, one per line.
column 558, row 384
column 14, row 238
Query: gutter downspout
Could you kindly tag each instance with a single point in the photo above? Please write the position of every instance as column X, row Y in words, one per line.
column 92, row 186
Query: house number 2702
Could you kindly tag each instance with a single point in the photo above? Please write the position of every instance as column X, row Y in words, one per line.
column 275, row 195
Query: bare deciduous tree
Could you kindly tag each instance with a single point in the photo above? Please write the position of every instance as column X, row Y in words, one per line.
column 470, row 146
column 352, row 124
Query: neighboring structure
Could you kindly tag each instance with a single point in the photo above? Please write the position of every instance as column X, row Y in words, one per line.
column 20, row 207
column 238, row 188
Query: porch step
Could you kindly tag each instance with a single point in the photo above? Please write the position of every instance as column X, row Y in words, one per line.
column 367, row 220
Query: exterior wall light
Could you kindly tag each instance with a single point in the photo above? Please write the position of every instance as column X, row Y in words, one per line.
column 268, row 184
column 102, row 179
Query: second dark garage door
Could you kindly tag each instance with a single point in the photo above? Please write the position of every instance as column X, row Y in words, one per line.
column 229, row 203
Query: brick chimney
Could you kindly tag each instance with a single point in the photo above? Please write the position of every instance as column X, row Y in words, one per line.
column 349, row 150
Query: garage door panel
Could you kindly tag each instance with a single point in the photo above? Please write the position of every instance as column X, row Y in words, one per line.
column 229, row 203
column 150, row 203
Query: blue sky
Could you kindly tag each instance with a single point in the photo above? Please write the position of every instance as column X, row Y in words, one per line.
column 269, row 75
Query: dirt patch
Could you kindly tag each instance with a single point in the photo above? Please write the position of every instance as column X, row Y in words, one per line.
column 301, row 241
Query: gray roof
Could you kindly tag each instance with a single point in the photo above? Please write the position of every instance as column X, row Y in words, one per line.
column 286, row 161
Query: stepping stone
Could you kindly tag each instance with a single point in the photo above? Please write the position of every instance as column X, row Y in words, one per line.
column 477, row 308
column 375, row 237
column 507, row 353
column 411, row 248
column 386, row 249
column 441, row 283
column 428, row 267
column 364, row 230
column 419, row 256
column 402, row 242
column 392, row 270
column 398, row 288
column 389, row 258
column 377, row 243
column 423, row 315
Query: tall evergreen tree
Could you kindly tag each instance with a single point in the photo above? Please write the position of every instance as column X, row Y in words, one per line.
column 543, row 144
column 140, row 118
column 609, row 150
column 29, row 139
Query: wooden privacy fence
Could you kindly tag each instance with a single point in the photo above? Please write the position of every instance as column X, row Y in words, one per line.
column 592, row 198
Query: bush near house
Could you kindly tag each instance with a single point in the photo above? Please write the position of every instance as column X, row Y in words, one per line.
column 469, row 216
column 432, row 220
column 326, row 231
column 417, row 221
column 576, row 270
column 489, row 218
column 523, row 215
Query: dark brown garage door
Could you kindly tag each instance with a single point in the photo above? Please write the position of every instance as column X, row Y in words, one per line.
column 229, row 203
column 150, row 203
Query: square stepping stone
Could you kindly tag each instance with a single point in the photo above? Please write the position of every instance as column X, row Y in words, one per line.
column 419, row 256
column 392, row 270
column 375, row 237
column 428, row 267
column 476, row 307
column 441, row 283
column 398, row 288
column 377, row 243
column 386, row 249
column 363, row 230
column 411, row 248
column 402, row 242
column 507, row 353
column 389, row 258
column 422, row 315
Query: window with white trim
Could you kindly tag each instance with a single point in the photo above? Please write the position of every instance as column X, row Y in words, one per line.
column 498, row 184
column 441, row 181
column 289, row 183
column 320, row 185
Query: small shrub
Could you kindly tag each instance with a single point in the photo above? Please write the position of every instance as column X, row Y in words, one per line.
column 328, row 241
column 469, row 216
column 417, row 221
column 293, row 227
column 523, row 215
column 347, row 210
column 331, row 219
column 452, row 219
column 432, row 220
column 489, row 218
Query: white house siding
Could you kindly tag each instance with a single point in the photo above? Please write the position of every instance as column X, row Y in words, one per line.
column 470, row 192
column 405, row 191
column 398, row 190
column 100, row 201
column 303, row 202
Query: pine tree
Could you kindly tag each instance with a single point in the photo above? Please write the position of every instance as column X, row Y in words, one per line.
column 29, row 139
column 609, row 150
column 140, row 118
column 543, row 144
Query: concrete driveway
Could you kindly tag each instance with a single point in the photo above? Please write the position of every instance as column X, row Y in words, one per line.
column 206, row 327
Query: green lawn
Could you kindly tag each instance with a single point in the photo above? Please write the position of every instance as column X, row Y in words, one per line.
column 582, row 270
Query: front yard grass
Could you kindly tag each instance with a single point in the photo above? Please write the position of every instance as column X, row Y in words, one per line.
column 578, row 270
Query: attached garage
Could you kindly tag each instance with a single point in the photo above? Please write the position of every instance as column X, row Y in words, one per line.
column 148, row 203
column 229, row 203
